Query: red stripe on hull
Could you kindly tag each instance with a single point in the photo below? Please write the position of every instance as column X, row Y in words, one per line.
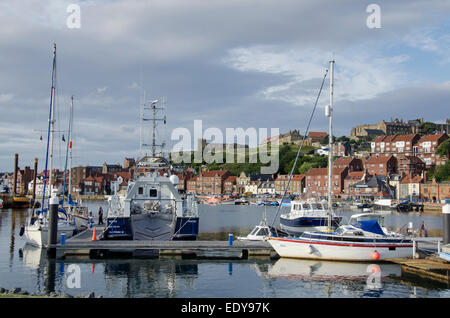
column 340, row 244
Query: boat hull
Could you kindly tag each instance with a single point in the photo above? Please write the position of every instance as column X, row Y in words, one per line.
column 339, row 251
column 156, row 227
column 38, row 236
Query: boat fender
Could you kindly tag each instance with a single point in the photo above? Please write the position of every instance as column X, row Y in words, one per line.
column 375, row 255
column 22, row 230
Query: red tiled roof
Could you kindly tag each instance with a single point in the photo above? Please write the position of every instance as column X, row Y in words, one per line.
column 317, row 134
column 343, row 161
column 394, row 138
column 378, row 159
column 213, row 173
column 435, row 137
column 324, row 171
column 409, row 179
column 231, row 179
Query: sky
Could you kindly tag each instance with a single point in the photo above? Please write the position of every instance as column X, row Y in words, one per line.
column 229, row 63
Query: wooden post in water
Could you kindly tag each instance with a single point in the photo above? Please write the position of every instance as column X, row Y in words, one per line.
column 16, row 164
column 52, row 226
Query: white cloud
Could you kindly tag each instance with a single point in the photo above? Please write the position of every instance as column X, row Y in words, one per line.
column 358, row 74
column 431, row 39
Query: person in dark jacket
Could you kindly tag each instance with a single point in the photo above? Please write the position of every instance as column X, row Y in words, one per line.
column 100, row 215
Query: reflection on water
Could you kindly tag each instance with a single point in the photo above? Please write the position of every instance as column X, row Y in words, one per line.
column 28, row 267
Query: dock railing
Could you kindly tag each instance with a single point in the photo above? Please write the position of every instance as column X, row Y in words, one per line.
column 416, row 240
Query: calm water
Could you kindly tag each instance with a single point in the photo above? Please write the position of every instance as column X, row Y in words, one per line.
column 26, row 267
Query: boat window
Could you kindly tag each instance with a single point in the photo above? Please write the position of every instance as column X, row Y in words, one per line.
column 263, row 232
column 140, row 190
column 306, row 206
column 254, row 231
column 153, row 193
column 339, row 231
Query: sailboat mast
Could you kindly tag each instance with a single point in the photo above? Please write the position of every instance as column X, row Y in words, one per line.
column 70, row 147
column 52, row 120
column 330, row 138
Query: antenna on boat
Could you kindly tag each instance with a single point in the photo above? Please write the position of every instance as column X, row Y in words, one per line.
column 153, row 108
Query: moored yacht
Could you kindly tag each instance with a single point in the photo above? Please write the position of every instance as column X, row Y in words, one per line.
column 363, row 239
column 307, row 215
column 36, row 229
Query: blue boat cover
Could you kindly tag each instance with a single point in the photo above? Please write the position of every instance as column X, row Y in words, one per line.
column 71, row 202
column 371, row 226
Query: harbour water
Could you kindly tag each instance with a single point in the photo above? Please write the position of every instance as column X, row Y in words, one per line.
column 28, row 268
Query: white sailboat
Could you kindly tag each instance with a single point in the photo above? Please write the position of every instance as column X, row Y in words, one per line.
column 363, row 239
column 36, row 231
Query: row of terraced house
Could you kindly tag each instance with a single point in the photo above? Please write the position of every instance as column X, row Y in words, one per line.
column 387, row 172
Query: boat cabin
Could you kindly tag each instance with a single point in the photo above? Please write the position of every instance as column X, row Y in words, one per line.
column 305, row 206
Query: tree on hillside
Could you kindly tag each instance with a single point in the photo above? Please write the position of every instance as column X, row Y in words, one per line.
column 444, row 149
column 427, row 128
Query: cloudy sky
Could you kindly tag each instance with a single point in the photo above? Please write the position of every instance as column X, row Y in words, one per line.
column 229, row 63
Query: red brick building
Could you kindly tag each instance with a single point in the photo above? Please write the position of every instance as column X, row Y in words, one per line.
column 351, row 179
column 396, row 144
column 211, row 182
column 94, row 185
column 426, row 149
column 410, row 165
column 353, row 164
column 296, row 185
column 435, row 191
column 229, row 185
column 191, row 185
column 381, row 165
column 317, row 181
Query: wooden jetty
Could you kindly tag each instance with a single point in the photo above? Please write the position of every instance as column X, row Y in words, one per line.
column 433, row 268
column 83, row 245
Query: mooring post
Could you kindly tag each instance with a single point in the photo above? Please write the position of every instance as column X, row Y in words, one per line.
column 53, row 226
column 446, row 229
column 16, row 164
